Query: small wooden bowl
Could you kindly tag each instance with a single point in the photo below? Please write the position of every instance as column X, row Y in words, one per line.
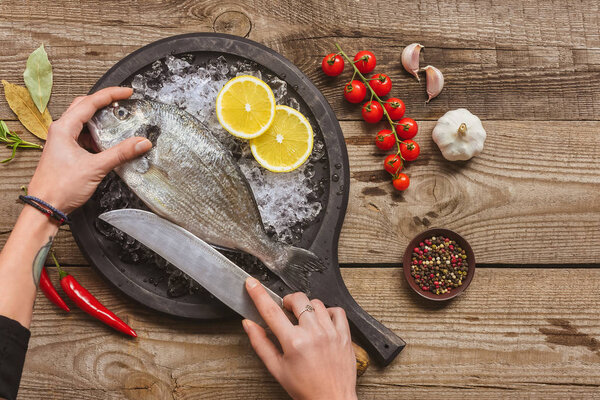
column 452, row 236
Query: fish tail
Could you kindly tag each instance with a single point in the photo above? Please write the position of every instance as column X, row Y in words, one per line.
column 296, row 265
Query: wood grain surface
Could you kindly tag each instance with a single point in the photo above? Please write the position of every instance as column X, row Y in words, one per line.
column 532, row 196
column 515, row 333
column 529, row 69
column 516, row 59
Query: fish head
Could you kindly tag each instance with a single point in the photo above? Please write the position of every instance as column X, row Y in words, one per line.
column 120, row 120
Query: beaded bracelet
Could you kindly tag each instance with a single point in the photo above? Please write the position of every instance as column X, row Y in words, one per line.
column 46, row 208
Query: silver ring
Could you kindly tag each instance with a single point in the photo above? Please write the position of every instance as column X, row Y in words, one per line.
column 308, row 308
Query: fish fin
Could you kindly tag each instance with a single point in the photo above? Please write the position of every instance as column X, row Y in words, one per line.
column 297, row 267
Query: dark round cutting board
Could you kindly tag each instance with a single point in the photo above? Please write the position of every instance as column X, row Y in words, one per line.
column 132, row 278
column 321, row 237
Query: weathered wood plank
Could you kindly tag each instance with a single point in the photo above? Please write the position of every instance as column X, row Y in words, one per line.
column 515, row 60
column 484, row 22
column 535, row 339
column 531, row 197
column 533, row 194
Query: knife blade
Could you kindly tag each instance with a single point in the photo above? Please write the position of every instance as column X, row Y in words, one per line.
column 212, row 270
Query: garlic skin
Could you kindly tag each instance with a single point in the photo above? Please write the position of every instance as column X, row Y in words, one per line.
column 435, row 81
column 459, row 134
column 410, row 59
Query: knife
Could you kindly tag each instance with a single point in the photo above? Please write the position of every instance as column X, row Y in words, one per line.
column 212, row 270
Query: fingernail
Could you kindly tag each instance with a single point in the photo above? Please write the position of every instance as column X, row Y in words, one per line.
column 143, row 146
column 251, row 282
column 245, row 324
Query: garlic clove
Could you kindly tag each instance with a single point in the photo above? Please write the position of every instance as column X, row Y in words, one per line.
column 435, row 81
column 410, row 59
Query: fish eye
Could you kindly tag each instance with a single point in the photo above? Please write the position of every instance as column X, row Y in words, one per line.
column 121, row 112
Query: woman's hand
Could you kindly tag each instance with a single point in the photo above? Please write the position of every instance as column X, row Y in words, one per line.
column 318, row 360
column 67, row 174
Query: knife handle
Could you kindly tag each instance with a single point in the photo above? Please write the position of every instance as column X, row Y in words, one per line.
column 379, row 340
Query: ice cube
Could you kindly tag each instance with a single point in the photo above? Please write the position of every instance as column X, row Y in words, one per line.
column 318, row 150
column 279, row 88
column 157, row 69
column 309, row 171
column 176, row 65
column 292, row 102
column 221, row 65
column 137, row 95
column 139, row 83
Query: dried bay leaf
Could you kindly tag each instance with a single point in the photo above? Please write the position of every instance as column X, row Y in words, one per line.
column 20, row 102
column 38, row 78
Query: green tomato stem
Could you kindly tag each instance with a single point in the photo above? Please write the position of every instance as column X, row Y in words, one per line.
column 373, row 95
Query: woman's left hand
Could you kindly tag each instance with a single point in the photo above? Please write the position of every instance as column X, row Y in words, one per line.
column 317, row 361
column 67, row 174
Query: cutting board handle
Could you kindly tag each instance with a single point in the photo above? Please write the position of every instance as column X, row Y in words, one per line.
column 381, row 343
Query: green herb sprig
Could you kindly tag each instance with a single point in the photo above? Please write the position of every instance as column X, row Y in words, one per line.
column 12, row 140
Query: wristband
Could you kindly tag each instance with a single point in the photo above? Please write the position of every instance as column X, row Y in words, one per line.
column 46, row 209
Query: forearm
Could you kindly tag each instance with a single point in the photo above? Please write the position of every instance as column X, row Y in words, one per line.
column 66, row 177
column 21, row 262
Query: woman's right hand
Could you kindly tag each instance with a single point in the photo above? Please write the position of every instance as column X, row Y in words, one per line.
column 317, row 362
column 67, row 174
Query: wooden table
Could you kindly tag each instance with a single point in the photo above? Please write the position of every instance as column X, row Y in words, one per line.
column 527, row 327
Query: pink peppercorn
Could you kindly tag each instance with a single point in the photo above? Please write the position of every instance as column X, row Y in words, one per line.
column 438, row 259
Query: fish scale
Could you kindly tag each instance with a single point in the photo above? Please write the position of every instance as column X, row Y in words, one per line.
column 189, row 178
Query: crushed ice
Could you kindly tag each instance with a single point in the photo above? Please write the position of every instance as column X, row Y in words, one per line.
column 284, row 199
column 288, row 202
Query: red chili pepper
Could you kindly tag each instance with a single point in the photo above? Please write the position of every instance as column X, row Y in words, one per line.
column 88, row 303
column 50, row 291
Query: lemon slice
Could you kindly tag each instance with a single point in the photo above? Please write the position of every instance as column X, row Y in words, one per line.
column 286, row 144
column 246, row 107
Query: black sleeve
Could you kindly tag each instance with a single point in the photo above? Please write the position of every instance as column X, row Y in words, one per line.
column 14, row 339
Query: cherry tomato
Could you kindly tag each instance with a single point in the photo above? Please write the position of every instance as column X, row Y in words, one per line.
column 385, row 139
column 395, row 108
column 381, row 84
column 392, row 164
column 365, row 61
column 410, row 150
column 332, row 64
column 372, row 112
column 401, row 181
column 407, row 128
column 355, row 91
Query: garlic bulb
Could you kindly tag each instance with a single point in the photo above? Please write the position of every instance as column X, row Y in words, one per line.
column 459, row 135
column 435, row 81
column 410, row 59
